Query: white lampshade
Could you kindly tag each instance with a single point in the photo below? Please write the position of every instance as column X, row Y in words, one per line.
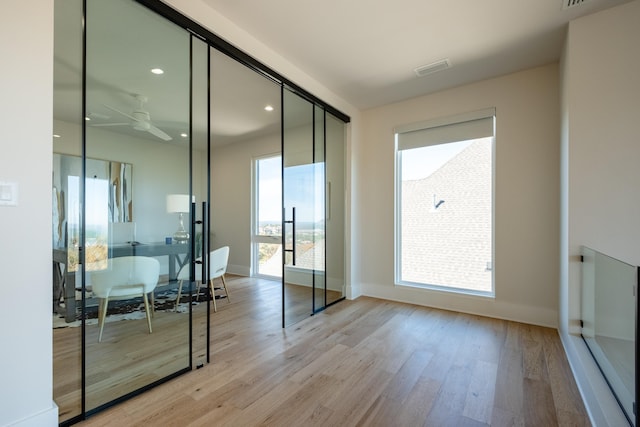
column 178, row 203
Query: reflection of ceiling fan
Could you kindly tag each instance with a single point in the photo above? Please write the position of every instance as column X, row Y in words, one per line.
column 141, row 120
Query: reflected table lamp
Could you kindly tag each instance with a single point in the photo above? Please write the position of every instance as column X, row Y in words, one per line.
column 179, row 203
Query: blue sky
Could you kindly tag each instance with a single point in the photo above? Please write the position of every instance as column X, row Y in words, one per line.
column 419, row 163
column 304, row 190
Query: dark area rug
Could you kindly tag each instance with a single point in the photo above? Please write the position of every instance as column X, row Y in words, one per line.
column 133, row 309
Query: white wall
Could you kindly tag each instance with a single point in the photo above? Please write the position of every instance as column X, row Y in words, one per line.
column 25, row 253
column 231, row 174
column 600, row 175
column 526, row 195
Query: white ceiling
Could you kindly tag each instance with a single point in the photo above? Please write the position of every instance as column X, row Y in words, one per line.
column 124, row 41
column 366, row 50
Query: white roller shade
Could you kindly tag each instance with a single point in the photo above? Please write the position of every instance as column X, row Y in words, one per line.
column 463, row 127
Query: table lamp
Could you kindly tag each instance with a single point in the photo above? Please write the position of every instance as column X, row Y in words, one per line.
column 179, row 203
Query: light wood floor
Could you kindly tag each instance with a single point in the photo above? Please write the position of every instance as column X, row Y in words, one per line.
column 363, row 362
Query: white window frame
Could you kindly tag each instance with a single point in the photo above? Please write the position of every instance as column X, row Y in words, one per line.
column 426, row 125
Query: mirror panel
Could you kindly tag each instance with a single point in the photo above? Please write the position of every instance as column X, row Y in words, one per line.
column 135, row 333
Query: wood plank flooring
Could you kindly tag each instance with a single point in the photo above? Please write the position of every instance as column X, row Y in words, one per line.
column 364, row 362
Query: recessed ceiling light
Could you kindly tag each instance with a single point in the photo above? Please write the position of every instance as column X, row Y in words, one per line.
column 55, row 135
column 184, row 135
column 268, row 108
column 157, row 71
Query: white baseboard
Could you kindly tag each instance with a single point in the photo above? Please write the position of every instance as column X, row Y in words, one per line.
column 353, row 291
column 48, row 417
column 240, row 270
column 471, row 304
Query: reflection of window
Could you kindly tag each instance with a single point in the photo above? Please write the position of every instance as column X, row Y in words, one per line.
column 96, row 222
column 444, row 191
column 108, row 200
column 267, row 247
column 304, row 189
column 73, row 221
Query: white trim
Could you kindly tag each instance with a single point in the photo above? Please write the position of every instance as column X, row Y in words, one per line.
column 464, row 303
column 397, row 197
column 452, row 289
column 239, row 270
column 48, row 417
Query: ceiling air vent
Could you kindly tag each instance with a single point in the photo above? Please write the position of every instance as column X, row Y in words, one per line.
column 566, row 4
column 423, row 70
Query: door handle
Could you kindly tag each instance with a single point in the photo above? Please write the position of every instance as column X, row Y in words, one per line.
column 293, row 234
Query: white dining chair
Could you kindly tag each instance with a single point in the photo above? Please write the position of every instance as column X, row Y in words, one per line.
column 124, row 278
column 218, row 260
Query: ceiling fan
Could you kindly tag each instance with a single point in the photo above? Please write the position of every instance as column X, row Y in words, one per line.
column 140, row 119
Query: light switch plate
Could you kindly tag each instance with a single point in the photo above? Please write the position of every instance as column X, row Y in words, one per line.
column 8, row 193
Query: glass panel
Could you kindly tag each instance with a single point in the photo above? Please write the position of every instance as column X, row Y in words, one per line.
column 609, row 307
column 66, row 219
column 136, row 120
column 245, row 128
column 200, row 186
column 270, row 259
column 335, row 208
column 318, row 238
column 300, row 199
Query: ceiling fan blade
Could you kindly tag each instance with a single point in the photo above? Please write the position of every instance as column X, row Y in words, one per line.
column 159, row 133
column 110, row 124
column 129, row 116
column 94, row 115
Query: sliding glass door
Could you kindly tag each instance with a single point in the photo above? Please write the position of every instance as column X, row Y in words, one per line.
column 303, row 208
column 154, row 116
column 313, row 162
column 137, row 200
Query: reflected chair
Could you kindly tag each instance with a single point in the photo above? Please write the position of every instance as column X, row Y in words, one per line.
column 124, row 278
column 218, row 260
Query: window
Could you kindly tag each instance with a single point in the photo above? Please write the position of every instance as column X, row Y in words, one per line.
column 305, row 186
column 267, row 214
column 444, row 203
